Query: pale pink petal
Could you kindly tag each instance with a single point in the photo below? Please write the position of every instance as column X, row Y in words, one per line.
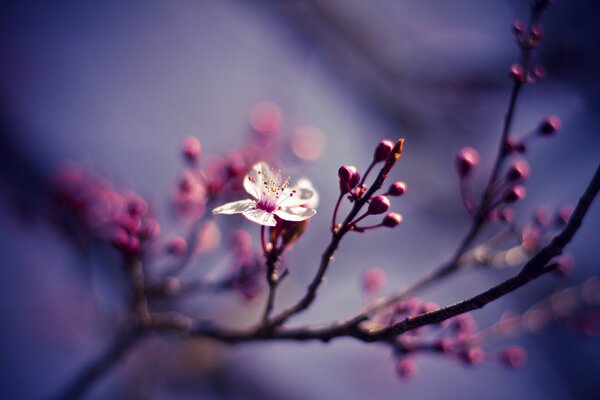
column 260, row 217
column 303, row 194
column 295, row 213
column 253, row 182
column 235, row 207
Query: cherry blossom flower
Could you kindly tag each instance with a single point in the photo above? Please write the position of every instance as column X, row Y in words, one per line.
column 272, row 197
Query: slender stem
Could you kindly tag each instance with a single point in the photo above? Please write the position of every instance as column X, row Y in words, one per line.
column 362, row 181
column 534, row 268
column 273, row 282
column 357, row 220
column 336, row 237
column 335, row 210
column 139, row 304
column 364, row 228
column 263, row 240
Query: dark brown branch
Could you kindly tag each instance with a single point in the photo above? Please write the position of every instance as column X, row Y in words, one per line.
column 534, row 268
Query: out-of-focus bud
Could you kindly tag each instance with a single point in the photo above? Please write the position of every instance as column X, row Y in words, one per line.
column 266, row 118
column 397, row 188
column 405, row 368
column 383, row 150
column 518, row 171
column 516, row 73
column 513, row 357
column 506, row 215
column 564, row 265
column 150, row 229
column 549, row 126
column 467, row 160
column 378, row 205
column 514, row 194
column 443, row 345
column 519, row 27
column 564, row 214
column 474, row 355
column 542, row 216
column 391, row 220
column 191, row 148
column 373, row 280
column 176, row 246
column 515, row 146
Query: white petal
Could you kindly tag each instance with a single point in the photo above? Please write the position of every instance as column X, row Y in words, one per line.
column 260, row 217
column 309, row 193
column 295, row 213
column 253, row 182
column 235, row 207
column 303, row 194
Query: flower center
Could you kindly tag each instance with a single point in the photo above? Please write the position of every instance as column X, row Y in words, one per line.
column 272, row 189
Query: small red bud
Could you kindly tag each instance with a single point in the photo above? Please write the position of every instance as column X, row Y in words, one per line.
column 397, row 188
column 349, row 178
column 391, row 220
column 191, row 148
column 378, row 205
column 467, row 159
column 549, row 126
column 518, row 171
column 383, row 150
column 514, row 194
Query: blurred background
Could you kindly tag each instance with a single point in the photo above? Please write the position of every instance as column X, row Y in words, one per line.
column 117, row 85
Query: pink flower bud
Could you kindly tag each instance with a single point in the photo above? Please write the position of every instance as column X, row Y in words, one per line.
column 443, row 345
column 564, row 265
column 474, row 355
column 349, row 178
column 519, row 27
column 150, row 228
column 266, row 118
column 378, row 205
column 391, row 220
column 383, row 150
column 513, row 357
column 136, row 206
column 541, row 216
column 397, row 188
column 517, row 171
column 191, row 148
column 506, row 215
column 564, row 214
column 514, row 194
column 515, row 146
column 516, row 72
column 176, row 246
column 405, row 368
column 467, row 159
column 549, row 126
column 373, row 280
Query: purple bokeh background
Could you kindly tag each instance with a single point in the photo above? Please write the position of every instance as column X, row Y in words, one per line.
column 117, row 86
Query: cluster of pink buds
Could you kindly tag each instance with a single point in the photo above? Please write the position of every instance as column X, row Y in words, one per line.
column 91, row 203
column 457, row 338
column 353, row 187
column 509, row 187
